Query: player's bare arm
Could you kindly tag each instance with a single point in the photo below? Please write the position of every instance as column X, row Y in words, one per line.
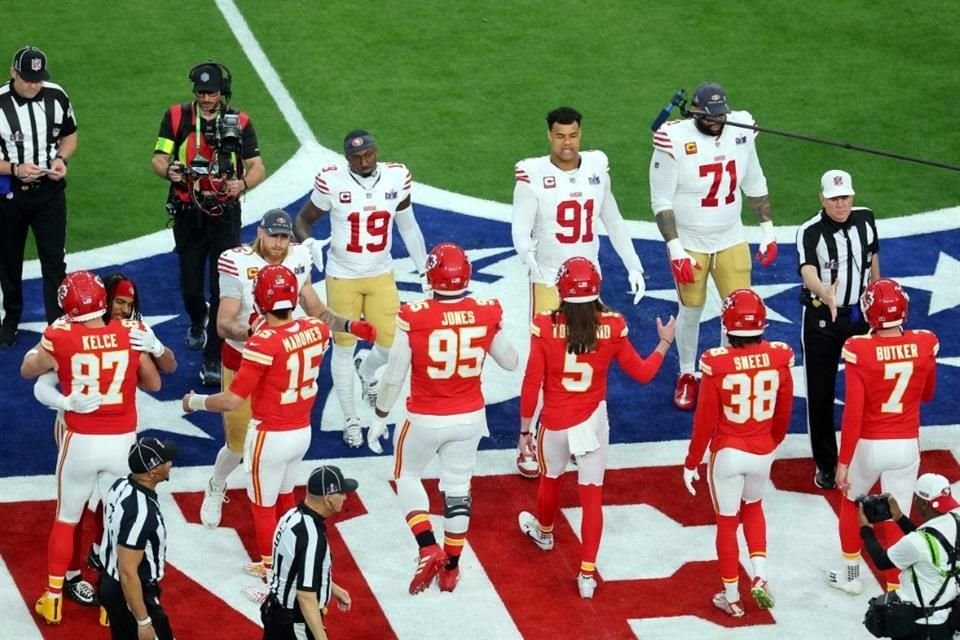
column 148, row 375
column 128, row 561
column 761, row 207
column 228, row 325
column 309, row 213
column 667, row 224
column 315, row 307
column 36, row 362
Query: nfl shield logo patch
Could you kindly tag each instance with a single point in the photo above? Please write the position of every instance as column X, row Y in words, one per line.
column 36, row 64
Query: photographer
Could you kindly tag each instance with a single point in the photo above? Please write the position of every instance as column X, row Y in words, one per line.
column 926, row 557
column 208, row 151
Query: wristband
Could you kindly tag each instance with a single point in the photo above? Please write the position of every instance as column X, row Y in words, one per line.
column 13, row 170
column 526, row 433
column 198, row 402
column 146, row 622
column 65, row 163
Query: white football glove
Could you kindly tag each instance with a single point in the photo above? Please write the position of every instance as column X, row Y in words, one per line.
column 689, row 475
column 637, row 285
column 316, row 251
column 425, row 284
column 146, row 340
column 531, row 261
column 377, row 430
column 79, row 402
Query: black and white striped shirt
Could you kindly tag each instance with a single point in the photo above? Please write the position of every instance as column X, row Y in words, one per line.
column 31, row 129
column 133, row 519
column 301, row 558
column 841, row 252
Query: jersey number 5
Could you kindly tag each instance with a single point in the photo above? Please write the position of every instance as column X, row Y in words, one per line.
column 576, row 220
column 577, row 376
column 455, row 352
column 86, row 368
column 716, row 170
column 377, row 228
column 753, row 397
column 304, row 367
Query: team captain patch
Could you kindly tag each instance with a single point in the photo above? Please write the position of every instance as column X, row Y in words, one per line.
column 690, row 148
column 252, row 272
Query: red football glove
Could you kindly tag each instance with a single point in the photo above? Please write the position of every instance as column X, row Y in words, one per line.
column 363, row 330
column 681, row 263
column 767, row 254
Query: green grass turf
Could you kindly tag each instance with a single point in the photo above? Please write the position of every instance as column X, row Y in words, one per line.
column 458, row 91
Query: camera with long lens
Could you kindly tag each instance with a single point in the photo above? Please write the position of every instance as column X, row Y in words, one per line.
column 229, row 133
column 875, row 508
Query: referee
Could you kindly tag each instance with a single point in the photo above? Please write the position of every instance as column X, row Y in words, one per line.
column 837, row 250
column 38, row 136
column 302, row 584
column 136, row 545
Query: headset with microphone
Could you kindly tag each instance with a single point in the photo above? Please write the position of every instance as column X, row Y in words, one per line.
column 226, row 79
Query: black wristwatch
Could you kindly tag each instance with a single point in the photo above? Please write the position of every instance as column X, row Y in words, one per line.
column 65, row 161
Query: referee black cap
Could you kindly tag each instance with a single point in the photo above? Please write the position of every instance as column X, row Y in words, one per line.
column 329, row 479
column 31, row 64
column 146, row 454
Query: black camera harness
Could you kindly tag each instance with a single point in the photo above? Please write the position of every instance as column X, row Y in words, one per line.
column 930, row 534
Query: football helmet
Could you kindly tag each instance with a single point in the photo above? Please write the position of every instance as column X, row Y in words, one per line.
column 275, row 288
column 82, row 296
column 884, row 304
column 448, row 269
column 744, row 314
column 578, row 280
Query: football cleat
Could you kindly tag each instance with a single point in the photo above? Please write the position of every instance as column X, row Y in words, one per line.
column 256, row 595
column 93, row 560
column 586, row 585
column 353, row 433
column 211, row 509
column 431, row 561
column 528, row 466
column 836, row 578
column 196, row 338
column 81, row 592
column 50, row 608
column 685, row 395
column 368, row 386
column 531, row 528
column 448, row 578
column 824, row 479
column 733, row 609
column 760, row 591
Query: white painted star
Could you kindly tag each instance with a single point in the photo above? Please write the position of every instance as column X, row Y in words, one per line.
column 38, row 327
column 942, row 285
column 165, row 415
column 950, row 362
column 711, row 309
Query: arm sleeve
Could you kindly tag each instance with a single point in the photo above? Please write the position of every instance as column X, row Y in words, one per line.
column 166, row 137
column 247, row 379
column 705, row 420
column 781, row 415
column 137, row 522
column 663, row 181
column 523, row 216
column 806, row 247
column 398, row 363
column 875, row 245
column 504, row 352
column 311, row 550
column 320, row 196
column 248, row 141
column 617, row 231
column 412, row 237
column 69, row 124
column 880, row 557
column 852, row 413
column 46, row 392
column 754, row 182
column 532, row 378
column 636, row 367
column 930, row 386
column 229, row 278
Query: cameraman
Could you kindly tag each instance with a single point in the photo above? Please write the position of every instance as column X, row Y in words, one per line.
column 208, row 151
column 926, row 556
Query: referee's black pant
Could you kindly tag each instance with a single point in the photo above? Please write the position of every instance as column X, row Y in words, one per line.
column 41, row 206
column 282, row 624
column 123, row 626
column 822, row 343
column 199, row 240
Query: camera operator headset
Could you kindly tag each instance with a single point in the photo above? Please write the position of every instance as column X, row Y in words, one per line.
column 208, row 151
column 927, row 557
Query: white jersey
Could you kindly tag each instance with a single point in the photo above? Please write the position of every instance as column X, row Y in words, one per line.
column 567, row 206
column 361, row 216
column 238, row 269
column 700, row 178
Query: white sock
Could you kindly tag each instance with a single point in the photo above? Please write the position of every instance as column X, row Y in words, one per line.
column 342, row 371
column 732, row 591
column 759, row 567
column 688, row 337
column 226, row 462
column 377, row 358
column 70, row 575
column 853, row 569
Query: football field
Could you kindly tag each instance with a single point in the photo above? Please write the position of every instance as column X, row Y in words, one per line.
column 458, row 93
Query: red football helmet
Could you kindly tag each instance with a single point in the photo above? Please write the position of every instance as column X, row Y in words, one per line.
column 82, row 296
column 578, row 280
column 744, row 314
column 884, row 304
column 448, row 269
column 275, row 288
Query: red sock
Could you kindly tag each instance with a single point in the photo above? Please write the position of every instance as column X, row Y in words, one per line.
column 453, row 545
column 892, row 533
column 849, row 529
column 265, row 523
column 548, row 501
column 728, row 551
column 754, row 527
column 59, row 552
column 78, row 557
column 419, row 522
column 591, row 526
column 285, row 502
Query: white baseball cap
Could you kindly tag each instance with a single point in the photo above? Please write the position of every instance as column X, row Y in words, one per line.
column 935, row 489
column 836, row 183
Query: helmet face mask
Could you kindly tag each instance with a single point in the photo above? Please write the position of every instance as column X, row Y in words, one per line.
column 578, row 280
column 884, row 304
column 276, row 288
column 744, row 314
column 82, row 296
column 448, row 269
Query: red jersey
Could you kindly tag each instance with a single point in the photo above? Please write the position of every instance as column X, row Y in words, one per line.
column 887, row 378
column 97, row 359
column 575, row 385
column 745, row 399
column 280, row 367
column 448, row 343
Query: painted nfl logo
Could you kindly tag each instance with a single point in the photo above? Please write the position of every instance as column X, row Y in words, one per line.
column 36, row 64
